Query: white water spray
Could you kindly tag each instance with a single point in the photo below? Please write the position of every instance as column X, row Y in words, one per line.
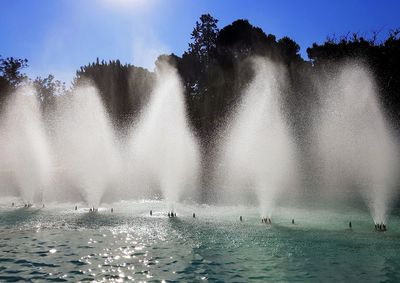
column 88, row 155
column 259, row 152
column 355, row 144
column 164, row 152
column 25, row 152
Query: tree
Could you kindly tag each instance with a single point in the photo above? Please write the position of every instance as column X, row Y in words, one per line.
column 204, row 37
column 289, row 50
column 123, row 88
column 241, row 39
column 47, row 89
column 10, row 70
column 196, row 62
column 10, row 76
column 381, row 57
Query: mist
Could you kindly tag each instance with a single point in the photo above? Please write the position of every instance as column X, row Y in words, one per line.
column 25, row 151
column 164, row 153
column 88, row 156
column 354, row 143
column 258, row 154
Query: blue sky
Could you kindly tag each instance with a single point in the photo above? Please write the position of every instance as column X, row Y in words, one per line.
column 59, row 36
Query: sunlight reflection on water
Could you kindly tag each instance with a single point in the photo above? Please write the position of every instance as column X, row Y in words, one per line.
column 126, row 246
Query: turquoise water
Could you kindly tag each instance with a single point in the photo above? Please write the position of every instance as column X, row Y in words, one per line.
column 59, row 244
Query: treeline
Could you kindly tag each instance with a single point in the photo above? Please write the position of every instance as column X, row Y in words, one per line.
column 216, row 68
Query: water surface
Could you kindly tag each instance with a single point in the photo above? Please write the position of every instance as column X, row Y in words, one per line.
column 57, row 244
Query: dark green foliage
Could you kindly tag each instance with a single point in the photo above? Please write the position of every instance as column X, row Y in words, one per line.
column 196, row 61
column 204, row 38
column 10, row 76
column 123, row 88
column 10, row 70
column 382, row 57
column 216, row 68
column 214, row 85
column 47, row 90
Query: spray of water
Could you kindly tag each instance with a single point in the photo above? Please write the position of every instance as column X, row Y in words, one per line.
column 87, row 152
column 163, row 151
column 25, row 152
column 258, row 151
column 355, row 144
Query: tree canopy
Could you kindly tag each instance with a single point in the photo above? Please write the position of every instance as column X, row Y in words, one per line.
column 215, row 69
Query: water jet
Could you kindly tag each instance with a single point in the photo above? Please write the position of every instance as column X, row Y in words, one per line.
column 86, row 146
column 164, row 154
column 24, row 144
column 258, row 153
column 355, row 143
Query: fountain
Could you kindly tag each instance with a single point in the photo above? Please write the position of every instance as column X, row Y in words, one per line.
column 354, row 142
column 24, row 152
column 75, row 151
column 87, row 150
column 258, row 151
column 163, row 151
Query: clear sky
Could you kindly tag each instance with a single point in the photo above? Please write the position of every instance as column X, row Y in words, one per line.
column 59, row 36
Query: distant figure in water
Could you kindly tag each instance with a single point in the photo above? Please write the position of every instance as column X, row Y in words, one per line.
column 292, row 221
column 25, row 205
column 350, row 224
column 194, row 215
column 262, row 220
column 43, row 206
column 151, row 212
column 90, row 210
column 76, row 207
column 112, row 210
column 175, row 214
column 169, row 215
column 12, row 204
column 241, row 219
column 380, row 227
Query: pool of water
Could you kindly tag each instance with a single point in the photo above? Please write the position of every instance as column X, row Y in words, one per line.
column 56, row 243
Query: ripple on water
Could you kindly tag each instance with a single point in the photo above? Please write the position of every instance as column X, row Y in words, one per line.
column 129, row 247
